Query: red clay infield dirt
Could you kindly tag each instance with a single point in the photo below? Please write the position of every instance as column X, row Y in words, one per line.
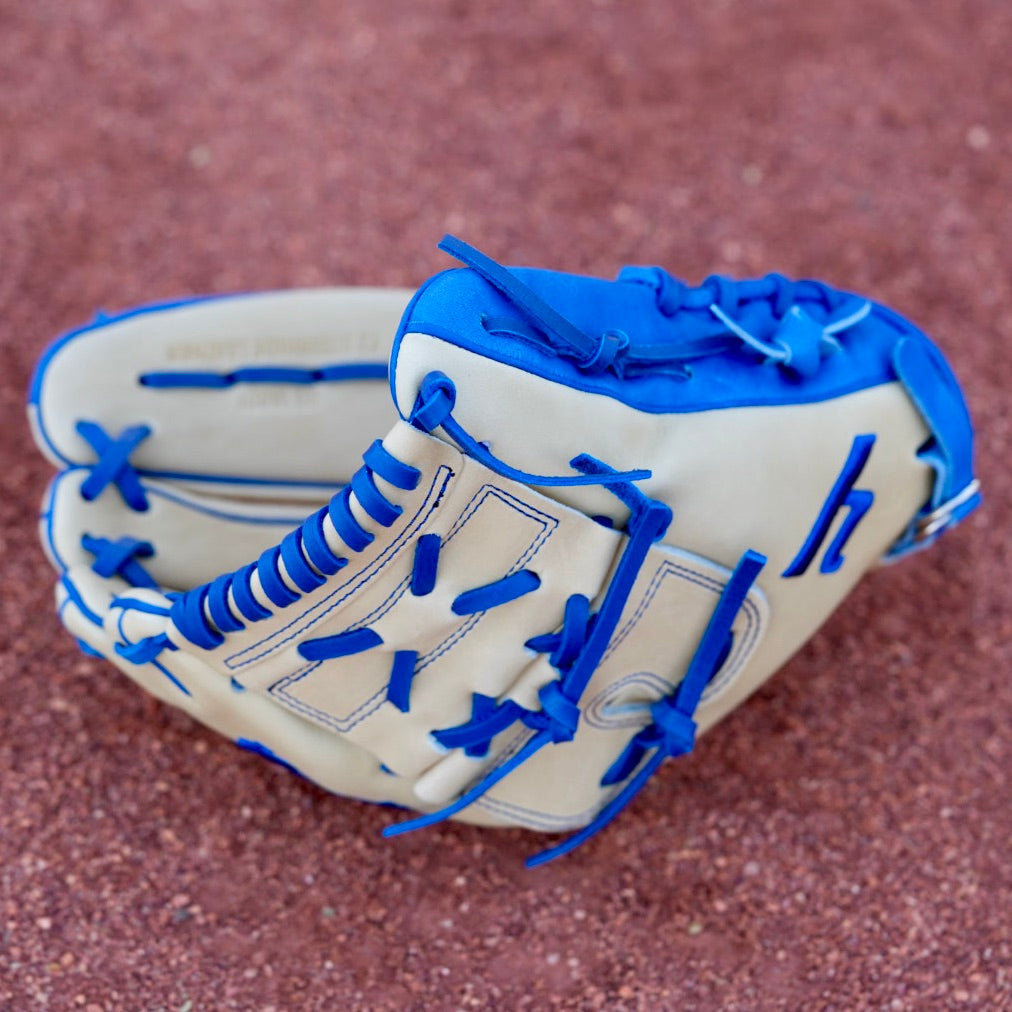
column 842, row 841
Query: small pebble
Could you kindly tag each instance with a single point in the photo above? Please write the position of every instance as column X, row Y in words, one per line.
column 978, row 137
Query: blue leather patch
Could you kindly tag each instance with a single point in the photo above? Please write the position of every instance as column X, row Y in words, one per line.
column 843, row 495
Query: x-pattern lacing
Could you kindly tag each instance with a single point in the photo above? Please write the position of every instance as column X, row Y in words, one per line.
column 113, row 466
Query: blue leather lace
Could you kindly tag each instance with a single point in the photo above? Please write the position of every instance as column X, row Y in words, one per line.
column 576, row 650
column 113, row 465
column 798, row 343
column 205, row 613
column 672, row 731
column 121, row 558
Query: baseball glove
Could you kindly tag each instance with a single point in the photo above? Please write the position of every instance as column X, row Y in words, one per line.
column 604, row 514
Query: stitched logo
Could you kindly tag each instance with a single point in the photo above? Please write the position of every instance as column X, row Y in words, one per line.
column 843, row 494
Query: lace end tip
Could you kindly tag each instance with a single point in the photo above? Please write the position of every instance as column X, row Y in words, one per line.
column 410, row 825
column 552, row 853
column 537, row 860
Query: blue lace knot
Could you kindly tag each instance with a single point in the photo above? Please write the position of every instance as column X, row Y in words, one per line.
column 801, row 339
column 559, row 715
column 676, row 728
column 120, row 558
column 724, row 293
column 144, row 650
column 671, row 733
column 610, row 345
column 434, row 403
column 669, row 291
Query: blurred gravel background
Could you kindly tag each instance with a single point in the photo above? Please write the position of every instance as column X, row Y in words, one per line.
column 842, row 842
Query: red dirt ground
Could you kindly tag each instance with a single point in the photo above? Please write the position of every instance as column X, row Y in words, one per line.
column 841, row 842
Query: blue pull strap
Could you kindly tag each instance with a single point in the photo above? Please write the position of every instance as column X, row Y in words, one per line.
column 526, row 300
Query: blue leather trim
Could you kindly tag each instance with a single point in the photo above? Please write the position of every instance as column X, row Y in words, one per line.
column 75, row 595
column 170, row 676
column 450, row 307
column 260, row 749
column 227, row 479
column 933, row 388
column 46, row 524
column 401, row 330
